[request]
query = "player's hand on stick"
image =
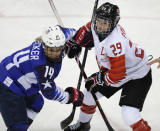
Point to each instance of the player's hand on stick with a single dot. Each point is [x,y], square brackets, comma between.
[95,81]
[83,36]
[72,49]
[155,61]
[75,96]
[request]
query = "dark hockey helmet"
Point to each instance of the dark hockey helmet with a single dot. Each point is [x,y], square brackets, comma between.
[53,43]
[106,18]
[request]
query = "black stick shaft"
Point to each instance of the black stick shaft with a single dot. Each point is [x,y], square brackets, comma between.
[96,100]
[69,119]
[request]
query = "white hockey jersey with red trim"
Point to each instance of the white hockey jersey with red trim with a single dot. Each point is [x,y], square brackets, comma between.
[124,59]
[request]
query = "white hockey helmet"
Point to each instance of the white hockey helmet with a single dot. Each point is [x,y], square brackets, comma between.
[53,43]
[53,36]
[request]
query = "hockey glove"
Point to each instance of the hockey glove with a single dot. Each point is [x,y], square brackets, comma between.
[75,96]
[84,37]
[95,81]
[72,49]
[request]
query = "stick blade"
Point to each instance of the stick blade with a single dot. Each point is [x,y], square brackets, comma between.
[68,120]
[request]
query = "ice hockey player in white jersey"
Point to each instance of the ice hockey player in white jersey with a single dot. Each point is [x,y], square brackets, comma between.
[123,66]
[27,72]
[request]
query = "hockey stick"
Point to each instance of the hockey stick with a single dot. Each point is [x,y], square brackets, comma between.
[96,100]
[69,119]
[55,12]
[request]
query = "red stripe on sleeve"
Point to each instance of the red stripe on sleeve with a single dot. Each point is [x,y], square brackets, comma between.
[117,71]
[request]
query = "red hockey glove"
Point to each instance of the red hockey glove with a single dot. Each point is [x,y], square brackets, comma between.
[75,96]
[95,81]
[84,37]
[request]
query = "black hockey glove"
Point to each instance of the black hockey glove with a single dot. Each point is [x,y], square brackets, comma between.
[75,96]
[72,49]
[95,81]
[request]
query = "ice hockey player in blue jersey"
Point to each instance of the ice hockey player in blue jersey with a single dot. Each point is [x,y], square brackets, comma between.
[30,72]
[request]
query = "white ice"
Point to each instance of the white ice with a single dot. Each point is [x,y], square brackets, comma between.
[21,21]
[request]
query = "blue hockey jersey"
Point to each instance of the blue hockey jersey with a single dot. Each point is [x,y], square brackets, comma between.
[27,71]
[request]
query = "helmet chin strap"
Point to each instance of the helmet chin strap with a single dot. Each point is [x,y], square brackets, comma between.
[55,60]
[101,37]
